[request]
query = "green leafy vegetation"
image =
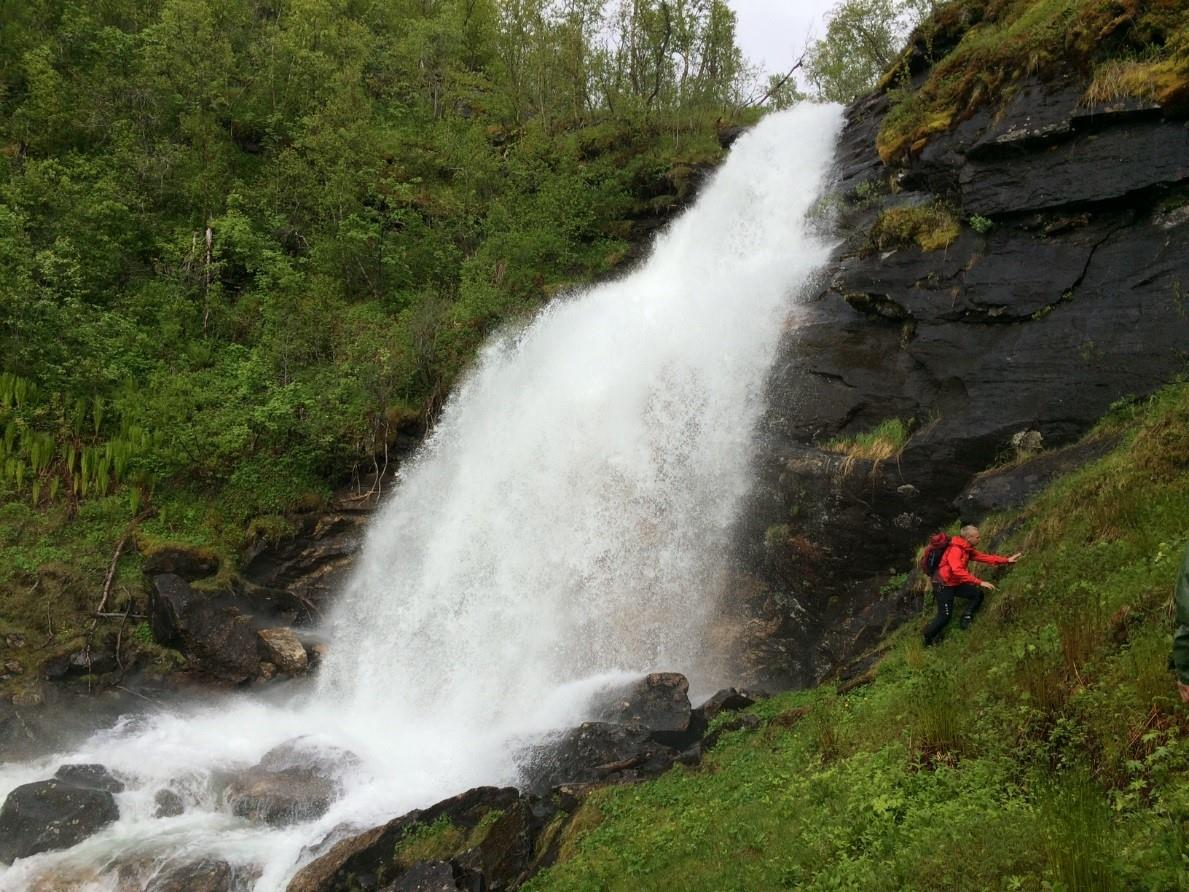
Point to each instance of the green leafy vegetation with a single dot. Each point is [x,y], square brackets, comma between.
[980,224]
[862,40]
[1042,749]
[244,245]
[981,50]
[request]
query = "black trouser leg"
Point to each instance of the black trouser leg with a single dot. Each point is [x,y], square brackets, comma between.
[973,594]
[945,608]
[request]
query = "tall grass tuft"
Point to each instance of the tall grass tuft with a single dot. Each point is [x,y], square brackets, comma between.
[885,441]
[938,718]
[1042,678]
[1075,822]
[1082,629]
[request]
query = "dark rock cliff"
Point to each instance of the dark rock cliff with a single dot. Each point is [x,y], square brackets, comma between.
[1064,288]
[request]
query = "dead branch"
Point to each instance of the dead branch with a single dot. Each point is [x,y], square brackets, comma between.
[111,572]
[800,63]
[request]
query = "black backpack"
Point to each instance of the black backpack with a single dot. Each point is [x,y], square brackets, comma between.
[934,552]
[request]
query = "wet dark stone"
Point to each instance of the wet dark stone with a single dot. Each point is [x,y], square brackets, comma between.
[367,859]
[1093,167]
[206,875]
[1003,488]
[93,777]
[217,636]
[52,814]
[659,702]
[293,782]
[169,804]
[727,700]
[436,876]
[595,752]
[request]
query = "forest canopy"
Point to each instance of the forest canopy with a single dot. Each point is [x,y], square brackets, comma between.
[243,243]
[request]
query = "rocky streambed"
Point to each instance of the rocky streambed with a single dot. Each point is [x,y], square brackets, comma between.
[487,838]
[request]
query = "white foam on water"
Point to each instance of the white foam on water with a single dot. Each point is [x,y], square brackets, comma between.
[564,529]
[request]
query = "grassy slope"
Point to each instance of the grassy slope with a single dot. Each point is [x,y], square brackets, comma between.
[1121,47]
[1042,749]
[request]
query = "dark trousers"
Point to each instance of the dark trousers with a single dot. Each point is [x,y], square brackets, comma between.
[944,595]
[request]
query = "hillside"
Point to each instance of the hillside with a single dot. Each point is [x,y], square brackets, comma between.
[1011,272]
[248,248]
[1044,748]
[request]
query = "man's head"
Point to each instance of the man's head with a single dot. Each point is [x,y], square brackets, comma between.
[969,533]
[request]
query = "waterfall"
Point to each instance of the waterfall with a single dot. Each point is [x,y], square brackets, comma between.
[565,526]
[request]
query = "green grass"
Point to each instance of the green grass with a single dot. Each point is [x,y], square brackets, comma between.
[1119,47]
[885,440]
[931,228]
[1043,749]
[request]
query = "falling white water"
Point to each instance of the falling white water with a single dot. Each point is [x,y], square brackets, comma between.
[565,527]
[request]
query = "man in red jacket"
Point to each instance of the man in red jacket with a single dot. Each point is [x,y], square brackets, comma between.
[952,578]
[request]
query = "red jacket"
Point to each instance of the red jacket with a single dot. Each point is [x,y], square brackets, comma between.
[957,555]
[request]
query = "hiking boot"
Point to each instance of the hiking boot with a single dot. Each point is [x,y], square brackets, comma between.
[965,622]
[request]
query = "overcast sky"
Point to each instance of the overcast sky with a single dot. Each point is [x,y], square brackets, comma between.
[773,32]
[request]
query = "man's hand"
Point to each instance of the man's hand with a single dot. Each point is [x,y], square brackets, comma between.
[988,586]
[1184,691]
[1015,557]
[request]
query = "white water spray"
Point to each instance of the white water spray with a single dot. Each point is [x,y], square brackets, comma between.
[566,526]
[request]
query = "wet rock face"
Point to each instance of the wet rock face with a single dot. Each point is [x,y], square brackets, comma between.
[1010,487]
[55,814]
[217,636]
[1066,295]
[369,859]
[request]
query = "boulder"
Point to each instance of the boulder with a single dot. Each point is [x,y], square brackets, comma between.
[282,648]
[211,631]
[727,700]
[436,876]
[595,752]
[504,852]
[52,814]
[205,875]
[91,777]
[97,660]
[168,804]
[1001,489]
[293,782]
[659,702]
[369,859]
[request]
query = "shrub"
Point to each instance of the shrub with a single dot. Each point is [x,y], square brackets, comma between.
[980,224]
